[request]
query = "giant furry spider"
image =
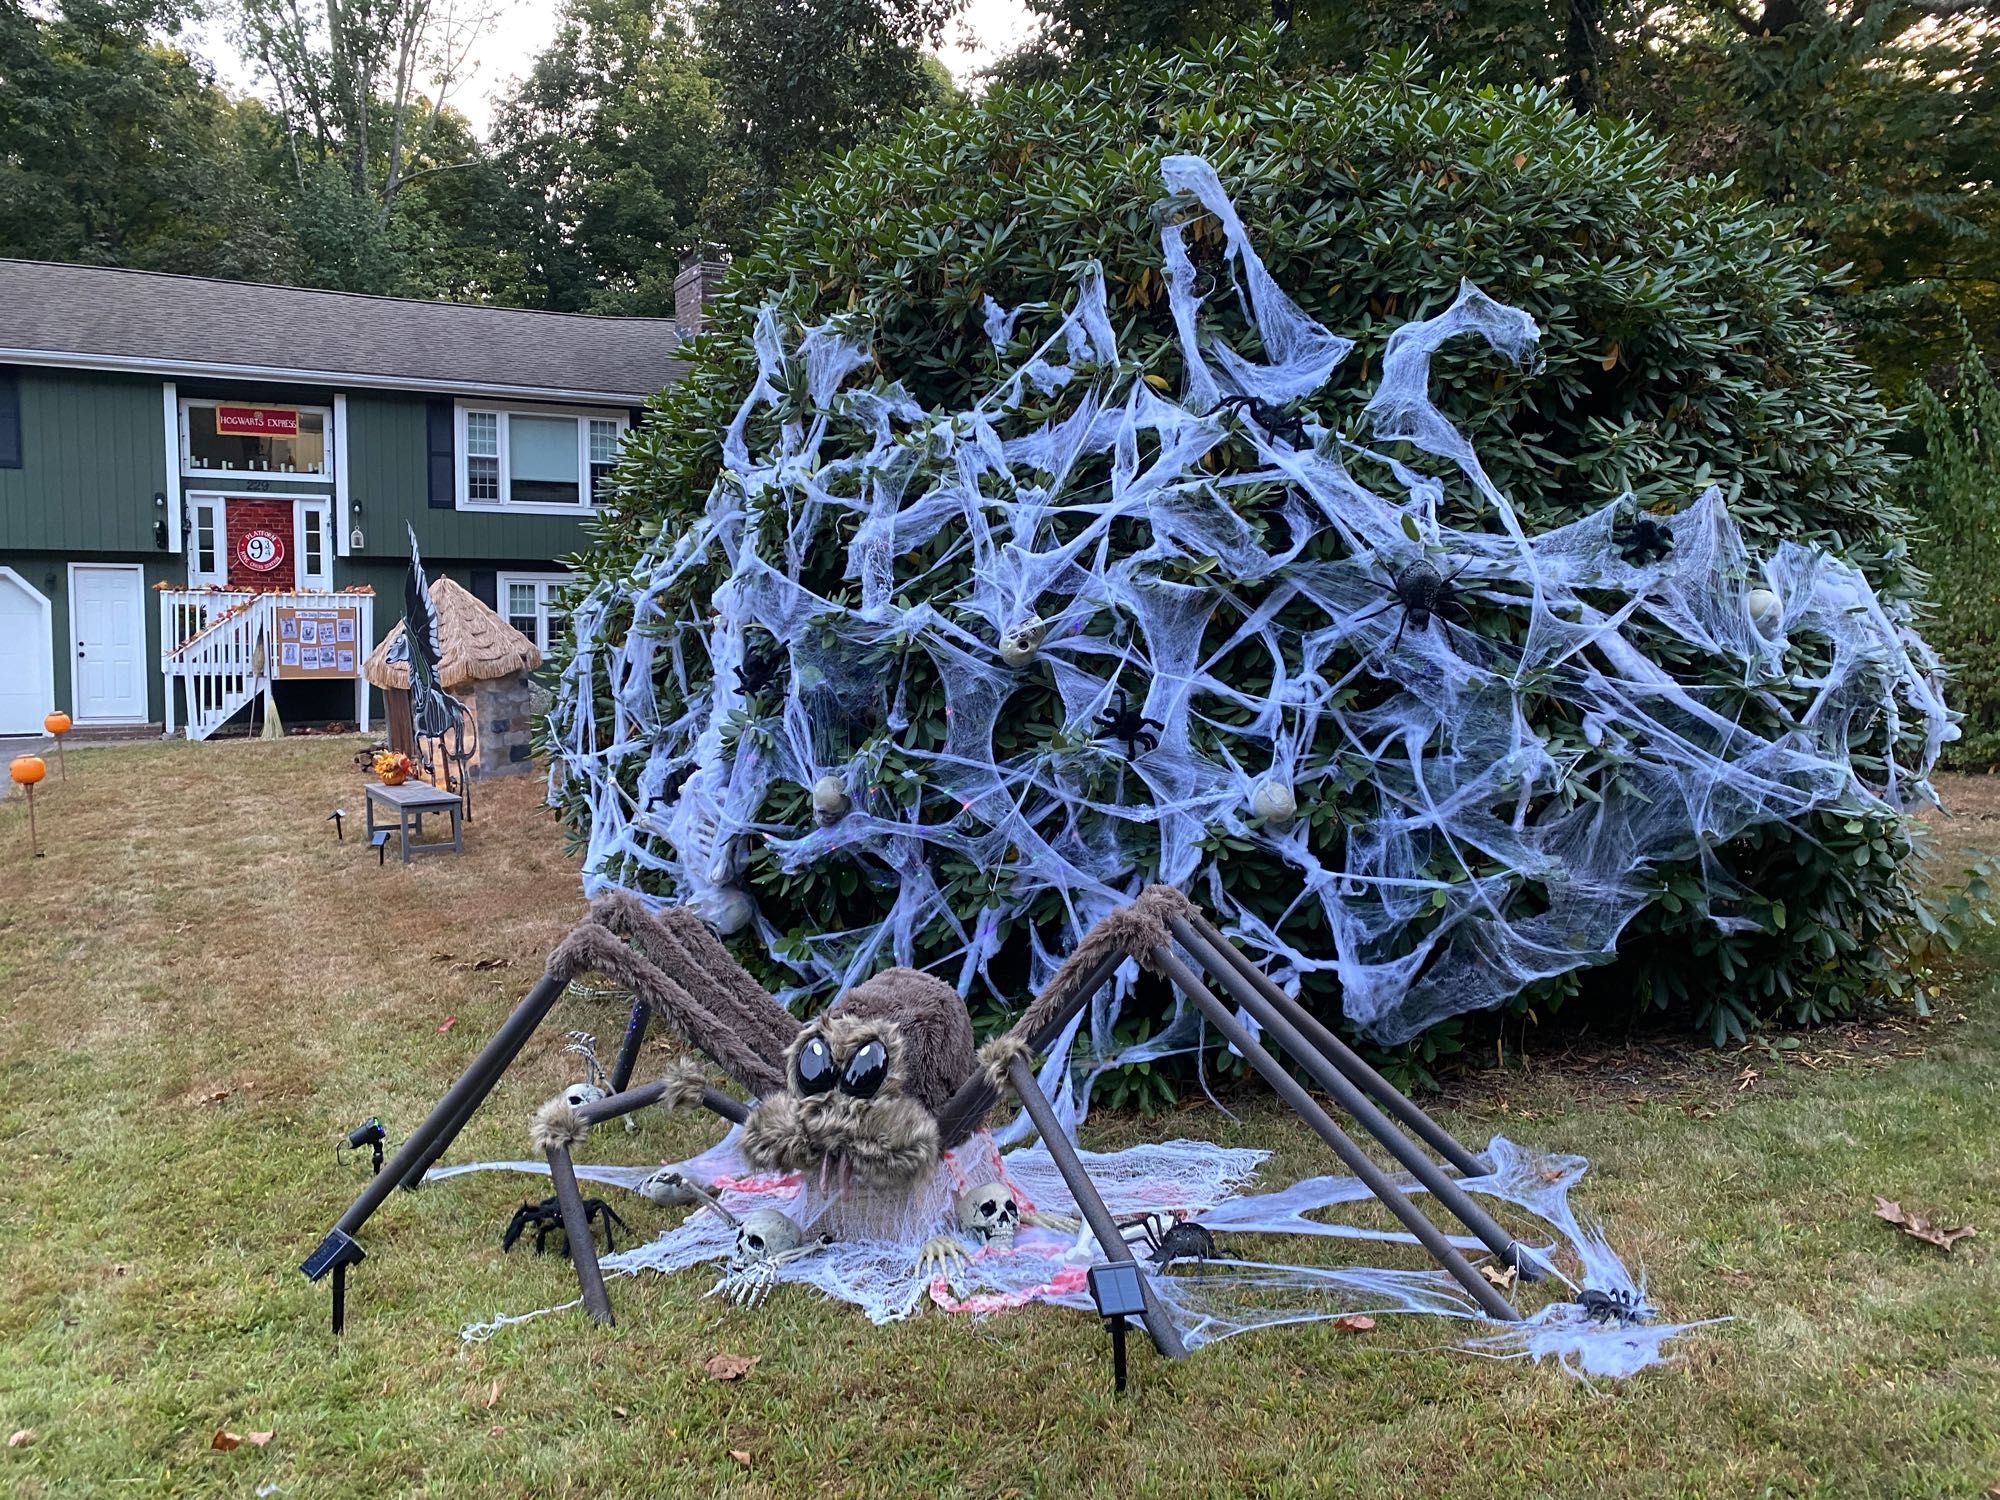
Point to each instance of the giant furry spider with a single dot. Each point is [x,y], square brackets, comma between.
[1421,592]
[1130,725]
[547,1215]
[1273,419]
[1647,540]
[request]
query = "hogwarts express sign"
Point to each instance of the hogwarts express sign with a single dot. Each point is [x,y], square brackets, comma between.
[257,421]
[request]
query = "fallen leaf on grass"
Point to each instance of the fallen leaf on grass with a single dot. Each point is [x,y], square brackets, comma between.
[492,1397]
[215,1098]
[222,1442]
[619,1411]
[480,965]
[741,1455]
[258,1439]
[1354,1323]
[496,1430]
[731,1366]
[447,1024]
[1917,1227]
[22,1438]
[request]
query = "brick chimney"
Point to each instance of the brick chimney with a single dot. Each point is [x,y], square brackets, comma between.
[694,288]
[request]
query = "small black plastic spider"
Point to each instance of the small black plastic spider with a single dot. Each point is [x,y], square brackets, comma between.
[1421,592]
[1130,725]
[547,1215]
[759,668]
[1646,540]
[1613,1307]
[1187,1240]
[1273,419]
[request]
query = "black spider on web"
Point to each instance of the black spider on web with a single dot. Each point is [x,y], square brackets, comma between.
[1646,540]
[1273,419]
[1422,593]
[1124,722]
[759,668]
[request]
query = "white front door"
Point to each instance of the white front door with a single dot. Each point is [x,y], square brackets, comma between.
[107,629]
[27,656]
[312,544]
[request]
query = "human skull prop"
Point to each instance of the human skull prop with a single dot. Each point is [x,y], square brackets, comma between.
[1019,645]
[830,800]
[762,1238]
[990,1215]
[579,1094]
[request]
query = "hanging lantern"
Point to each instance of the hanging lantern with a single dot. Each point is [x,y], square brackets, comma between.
[26,771]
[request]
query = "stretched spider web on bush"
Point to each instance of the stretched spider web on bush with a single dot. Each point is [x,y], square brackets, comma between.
[1461,811]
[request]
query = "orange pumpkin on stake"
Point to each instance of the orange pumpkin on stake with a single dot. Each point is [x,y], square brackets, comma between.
[58,724]
[26,771]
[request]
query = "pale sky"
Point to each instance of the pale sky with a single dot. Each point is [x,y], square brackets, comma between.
[983,31]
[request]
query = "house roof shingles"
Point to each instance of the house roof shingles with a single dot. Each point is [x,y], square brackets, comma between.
[103,317]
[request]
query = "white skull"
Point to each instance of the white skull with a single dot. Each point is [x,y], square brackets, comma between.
[579,1094]
[1019,645]
[989,1214]
[830,800]
[763,1236]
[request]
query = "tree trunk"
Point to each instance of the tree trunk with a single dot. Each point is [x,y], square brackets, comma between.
[1583,55]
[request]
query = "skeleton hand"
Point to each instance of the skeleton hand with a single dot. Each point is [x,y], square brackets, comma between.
[942,1255]
[748,1282]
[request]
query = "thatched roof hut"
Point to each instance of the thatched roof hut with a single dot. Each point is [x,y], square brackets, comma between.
[474,644]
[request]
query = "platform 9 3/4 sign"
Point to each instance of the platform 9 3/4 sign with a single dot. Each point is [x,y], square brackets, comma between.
[261,549]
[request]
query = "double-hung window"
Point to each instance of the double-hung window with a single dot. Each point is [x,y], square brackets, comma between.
[528,602]
[546,460]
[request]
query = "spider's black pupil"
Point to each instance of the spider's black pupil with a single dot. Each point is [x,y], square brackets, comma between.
[866,1071]
[815,1068]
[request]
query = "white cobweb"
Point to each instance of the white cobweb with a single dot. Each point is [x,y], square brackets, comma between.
[1478,848]
[1247,1287]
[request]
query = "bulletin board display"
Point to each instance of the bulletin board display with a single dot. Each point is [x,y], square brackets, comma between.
[318,643]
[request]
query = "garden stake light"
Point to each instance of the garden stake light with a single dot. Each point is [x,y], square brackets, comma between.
[26,771]
[58,724]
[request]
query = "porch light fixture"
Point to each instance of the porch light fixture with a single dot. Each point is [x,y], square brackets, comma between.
[160,520]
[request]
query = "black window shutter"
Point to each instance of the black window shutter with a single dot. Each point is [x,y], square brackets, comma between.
[443,469]
[10,419]
[486,587]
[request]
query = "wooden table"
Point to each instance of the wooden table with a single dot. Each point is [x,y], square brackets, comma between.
[412,800]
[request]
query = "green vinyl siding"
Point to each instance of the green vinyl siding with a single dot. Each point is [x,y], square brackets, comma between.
[387,473]
[48,573]
[93,455]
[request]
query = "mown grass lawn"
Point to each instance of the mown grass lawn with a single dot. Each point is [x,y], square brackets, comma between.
[200,991]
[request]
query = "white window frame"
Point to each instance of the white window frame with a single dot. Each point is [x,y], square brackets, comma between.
[545,584]
[324,479]
[584,415]
[312,513]
[197,502]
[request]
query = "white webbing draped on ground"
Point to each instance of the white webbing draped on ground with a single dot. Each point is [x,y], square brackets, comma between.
[1191,1179]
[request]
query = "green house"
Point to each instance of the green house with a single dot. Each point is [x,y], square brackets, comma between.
[180,457]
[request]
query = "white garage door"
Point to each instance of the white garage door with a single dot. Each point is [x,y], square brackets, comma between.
[27,656]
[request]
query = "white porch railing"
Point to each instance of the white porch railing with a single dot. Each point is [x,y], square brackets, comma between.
[218,644]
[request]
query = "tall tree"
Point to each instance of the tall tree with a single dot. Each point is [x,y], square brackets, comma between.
[117,147]
[613,149]
[800,79]
[365,83]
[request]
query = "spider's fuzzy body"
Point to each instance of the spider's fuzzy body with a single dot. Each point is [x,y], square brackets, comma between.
[864,1082]
[1421,592]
